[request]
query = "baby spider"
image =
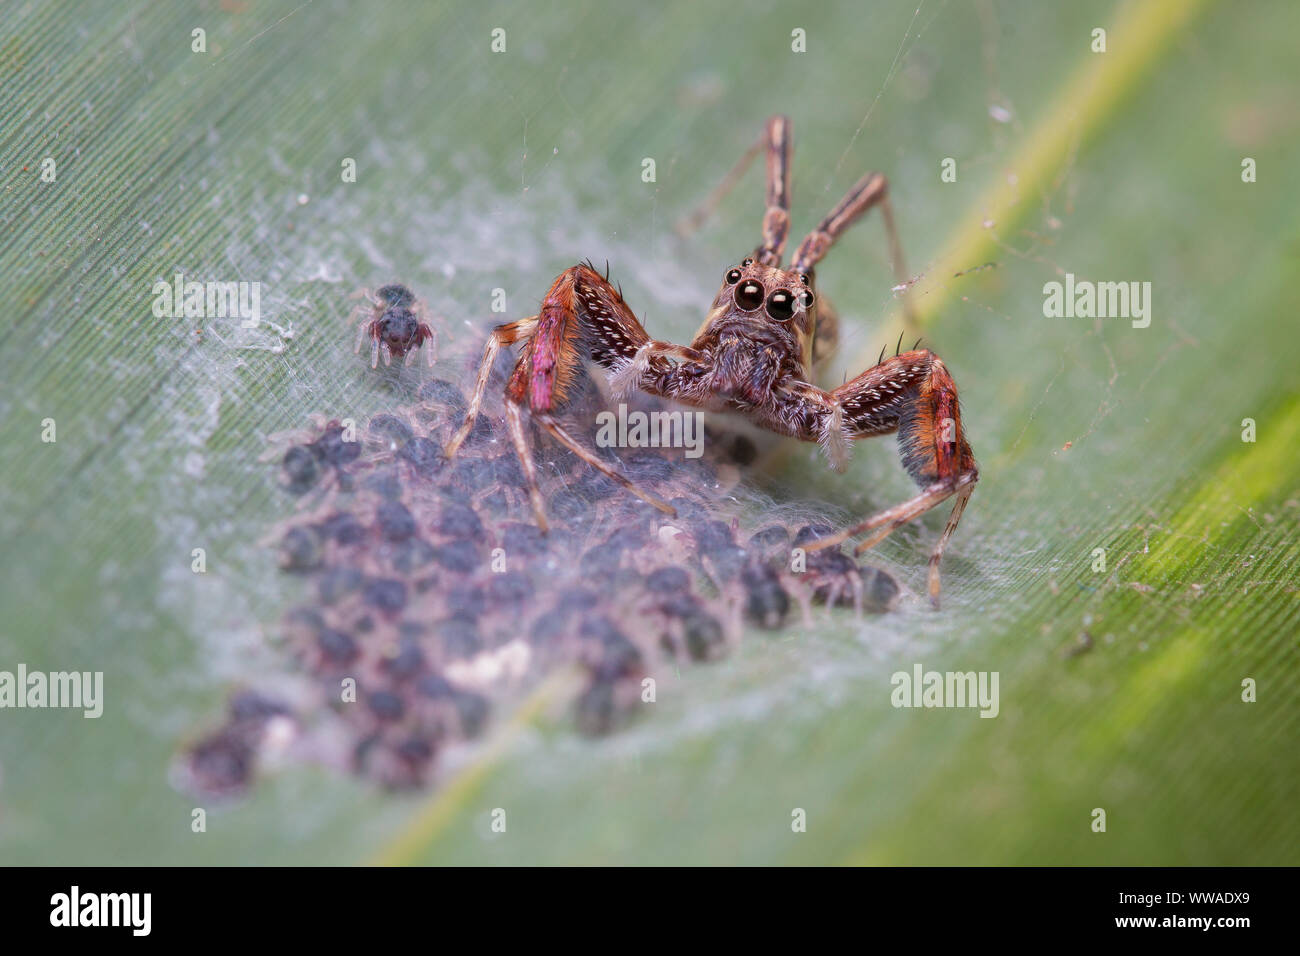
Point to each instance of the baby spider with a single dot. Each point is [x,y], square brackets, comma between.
[754,354]
[396,326]
[322,451]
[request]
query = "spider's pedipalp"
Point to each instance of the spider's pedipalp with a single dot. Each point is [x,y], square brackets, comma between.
[625,377]
[834,439]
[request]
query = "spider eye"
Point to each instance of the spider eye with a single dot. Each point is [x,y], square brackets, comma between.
[805,300]
[805,278]
[749,295]
[733,277]
[747,262]
[780,305]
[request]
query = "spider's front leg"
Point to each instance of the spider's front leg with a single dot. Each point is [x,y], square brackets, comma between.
[582,317]
[367,330]
[914,395]
[425,335]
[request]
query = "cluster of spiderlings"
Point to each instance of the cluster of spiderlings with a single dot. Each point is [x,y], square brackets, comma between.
[435,595]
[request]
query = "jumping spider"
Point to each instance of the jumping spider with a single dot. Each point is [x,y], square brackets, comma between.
[396,326]
[754,354]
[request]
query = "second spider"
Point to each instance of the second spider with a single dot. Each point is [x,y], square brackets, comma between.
[396,326]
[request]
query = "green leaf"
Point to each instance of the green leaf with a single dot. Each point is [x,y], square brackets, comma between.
[1119,689]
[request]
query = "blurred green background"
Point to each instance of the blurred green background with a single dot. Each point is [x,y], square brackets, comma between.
[478,171]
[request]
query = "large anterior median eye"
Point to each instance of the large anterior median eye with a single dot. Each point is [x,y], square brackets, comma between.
[780,305]
[749,295]
[733,276]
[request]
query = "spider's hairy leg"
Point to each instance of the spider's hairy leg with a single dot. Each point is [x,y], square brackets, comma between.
[557,431]
[582,309]
[506,334]
[914,395]
[869,191]
[515,425]
[776,218]
[692,221]
[582,317]
[776,141]
[426,333]
[366,310]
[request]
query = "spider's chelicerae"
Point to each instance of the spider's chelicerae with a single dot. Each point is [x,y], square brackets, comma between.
[766,331]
